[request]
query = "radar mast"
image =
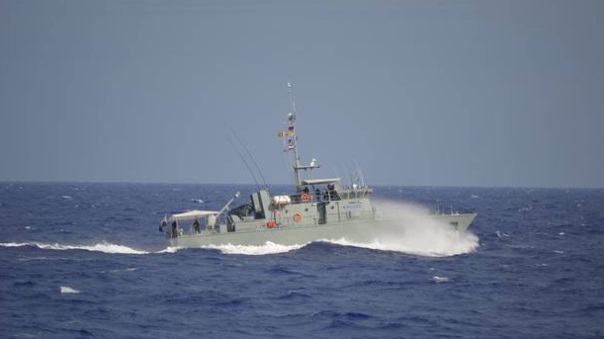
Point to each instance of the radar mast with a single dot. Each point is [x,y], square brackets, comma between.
[291,140]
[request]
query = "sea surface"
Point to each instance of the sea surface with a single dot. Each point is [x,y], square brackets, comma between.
[84,260]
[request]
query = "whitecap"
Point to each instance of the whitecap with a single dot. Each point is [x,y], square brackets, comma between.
[501,234]
[68,290]
[130,269]
[438,279]
[68,197]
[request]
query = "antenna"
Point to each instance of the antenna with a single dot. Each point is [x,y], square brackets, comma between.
[292,101]
[249,169]
[359,174]
[291,139]
[251,158]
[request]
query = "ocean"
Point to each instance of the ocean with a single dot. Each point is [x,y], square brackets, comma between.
[82,260]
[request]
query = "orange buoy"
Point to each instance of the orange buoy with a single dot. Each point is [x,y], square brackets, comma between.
[271,224]
[305,197]
[297,217]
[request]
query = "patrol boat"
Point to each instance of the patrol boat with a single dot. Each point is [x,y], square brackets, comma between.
[318,209]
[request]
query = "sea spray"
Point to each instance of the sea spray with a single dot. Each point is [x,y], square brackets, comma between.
[408,228]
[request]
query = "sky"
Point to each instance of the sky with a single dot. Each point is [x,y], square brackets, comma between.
[414,93]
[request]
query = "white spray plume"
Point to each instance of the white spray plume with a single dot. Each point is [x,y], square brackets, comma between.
[409,228]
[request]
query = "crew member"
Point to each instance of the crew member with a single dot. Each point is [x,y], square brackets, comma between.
[174,229]
[196,226]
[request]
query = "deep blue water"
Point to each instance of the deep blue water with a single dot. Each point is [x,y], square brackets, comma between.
[86,260]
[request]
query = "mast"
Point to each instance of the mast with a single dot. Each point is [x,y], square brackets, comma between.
[291,140]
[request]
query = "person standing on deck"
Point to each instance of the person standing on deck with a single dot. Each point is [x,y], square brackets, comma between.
[196,226]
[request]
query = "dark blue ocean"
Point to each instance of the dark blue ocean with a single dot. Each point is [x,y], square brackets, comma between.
[86,260]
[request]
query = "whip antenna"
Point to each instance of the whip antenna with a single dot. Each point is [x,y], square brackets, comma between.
[244,161]
[251,158]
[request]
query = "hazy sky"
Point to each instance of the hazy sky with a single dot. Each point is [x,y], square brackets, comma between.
[455,93]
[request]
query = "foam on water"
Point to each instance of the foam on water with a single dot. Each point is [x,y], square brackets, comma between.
[104,247]
[130,269]
[169,249]
[68,290]
[267,248]
[438,279]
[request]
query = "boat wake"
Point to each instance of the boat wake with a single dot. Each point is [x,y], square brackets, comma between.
[104,247]
[400,227]
[425,243]
[267,248]
[421,244]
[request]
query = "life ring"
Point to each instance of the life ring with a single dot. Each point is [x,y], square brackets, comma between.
[297,217]
[271,224]
[305,197]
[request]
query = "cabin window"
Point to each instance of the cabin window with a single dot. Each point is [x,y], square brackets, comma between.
[454,223]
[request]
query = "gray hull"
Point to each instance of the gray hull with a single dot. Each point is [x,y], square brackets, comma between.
[362,231]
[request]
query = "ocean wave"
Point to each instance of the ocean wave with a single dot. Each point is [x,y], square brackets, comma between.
[429,246]
[104,247]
